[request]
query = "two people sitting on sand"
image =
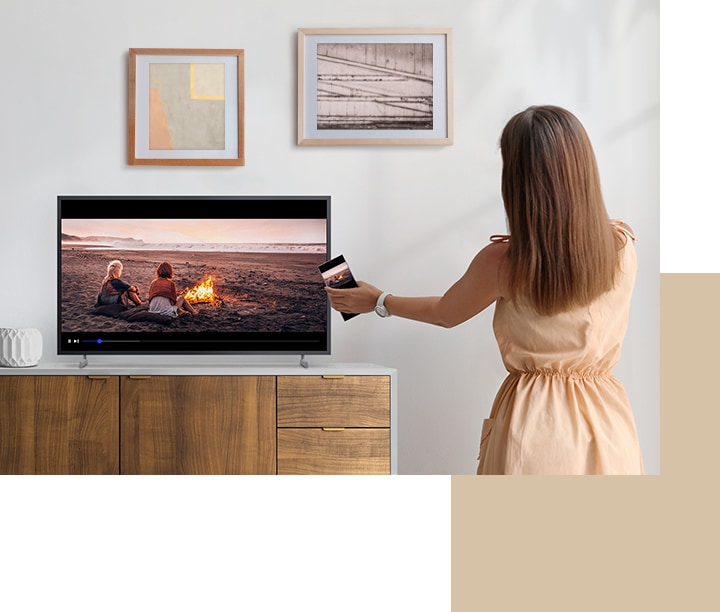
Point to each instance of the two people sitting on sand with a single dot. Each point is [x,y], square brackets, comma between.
[163,297]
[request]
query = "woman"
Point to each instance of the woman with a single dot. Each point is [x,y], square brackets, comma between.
[116,291]
[561,283]
[163,295]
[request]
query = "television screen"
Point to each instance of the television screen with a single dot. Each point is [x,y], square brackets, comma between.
[192,274]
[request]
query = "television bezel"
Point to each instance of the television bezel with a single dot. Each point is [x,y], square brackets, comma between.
[298,347]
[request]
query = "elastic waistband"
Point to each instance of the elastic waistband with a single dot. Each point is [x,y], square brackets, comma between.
[579,374]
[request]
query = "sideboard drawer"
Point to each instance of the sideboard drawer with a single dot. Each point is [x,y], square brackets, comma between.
[333,401]
[333,451]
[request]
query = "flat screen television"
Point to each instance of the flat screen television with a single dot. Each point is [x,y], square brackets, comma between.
[246,265]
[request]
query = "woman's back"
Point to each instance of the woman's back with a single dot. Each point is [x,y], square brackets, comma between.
[586,338]
[560,410]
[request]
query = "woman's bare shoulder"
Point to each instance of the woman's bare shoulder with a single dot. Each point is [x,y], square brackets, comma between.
[491,254]
[492,260]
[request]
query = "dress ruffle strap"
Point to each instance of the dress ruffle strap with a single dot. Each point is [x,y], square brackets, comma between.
[620,224]
[500,238]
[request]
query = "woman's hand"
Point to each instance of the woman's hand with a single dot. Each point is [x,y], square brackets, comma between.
[474,291]
[359,299]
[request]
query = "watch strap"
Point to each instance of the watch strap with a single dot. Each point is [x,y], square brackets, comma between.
[380,307]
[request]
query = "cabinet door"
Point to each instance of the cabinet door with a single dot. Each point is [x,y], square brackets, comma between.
[333,451]
[333,401]
[333,424]
[198,425]
[59,425]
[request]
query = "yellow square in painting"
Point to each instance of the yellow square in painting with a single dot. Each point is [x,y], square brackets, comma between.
[207,81]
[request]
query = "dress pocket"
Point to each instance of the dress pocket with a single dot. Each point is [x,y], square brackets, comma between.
[487,427]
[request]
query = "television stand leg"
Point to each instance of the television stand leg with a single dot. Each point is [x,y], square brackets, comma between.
[83,362]
[303,362]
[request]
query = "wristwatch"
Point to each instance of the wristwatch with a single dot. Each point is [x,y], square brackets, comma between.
[380,308]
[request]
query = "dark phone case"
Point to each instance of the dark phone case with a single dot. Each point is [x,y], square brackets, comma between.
[343,284]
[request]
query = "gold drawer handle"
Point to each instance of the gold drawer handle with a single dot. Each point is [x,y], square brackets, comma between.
[138,377]
[333,376]
[98,377]
[333,429]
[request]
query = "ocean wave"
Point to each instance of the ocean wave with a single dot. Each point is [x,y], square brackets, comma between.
[123,245]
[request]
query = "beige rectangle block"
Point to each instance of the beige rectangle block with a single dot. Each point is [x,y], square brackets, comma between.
[610,543]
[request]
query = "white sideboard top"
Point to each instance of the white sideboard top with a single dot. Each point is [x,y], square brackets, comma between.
[206,368]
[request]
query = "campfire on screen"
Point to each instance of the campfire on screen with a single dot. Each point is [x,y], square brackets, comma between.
[204,293]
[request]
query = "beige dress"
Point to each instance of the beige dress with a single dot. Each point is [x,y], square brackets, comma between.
[560,410]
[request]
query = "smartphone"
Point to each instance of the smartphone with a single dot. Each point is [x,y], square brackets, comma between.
[336,274]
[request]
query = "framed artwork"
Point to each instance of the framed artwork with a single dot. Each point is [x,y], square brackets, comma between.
[375,86]
[186,107]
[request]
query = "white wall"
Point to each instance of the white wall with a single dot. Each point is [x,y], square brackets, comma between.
[408,219]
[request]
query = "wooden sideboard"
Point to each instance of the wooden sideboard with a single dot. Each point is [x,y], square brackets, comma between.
[198,420]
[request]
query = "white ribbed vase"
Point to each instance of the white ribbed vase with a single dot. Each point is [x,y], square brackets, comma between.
[20,347]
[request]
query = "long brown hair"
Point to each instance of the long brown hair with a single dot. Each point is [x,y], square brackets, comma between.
[563,252]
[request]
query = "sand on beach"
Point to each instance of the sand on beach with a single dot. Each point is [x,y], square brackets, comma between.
[260,292]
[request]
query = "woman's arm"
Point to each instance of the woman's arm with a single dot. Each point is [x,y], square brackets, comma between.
[480,286]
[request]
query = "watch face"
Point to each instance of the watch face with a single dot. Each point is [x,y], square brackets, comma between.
[381,310]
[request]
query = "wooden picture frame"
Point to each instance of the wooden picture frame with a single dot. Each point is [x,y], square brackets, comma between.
[186,107]
[375,86]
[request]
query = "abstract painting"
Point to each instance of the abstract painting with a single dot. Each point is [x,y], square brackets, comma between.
[186,107]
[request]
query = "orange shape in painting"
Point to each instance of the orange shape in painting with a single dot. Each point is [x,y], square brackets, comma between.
[158,129]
